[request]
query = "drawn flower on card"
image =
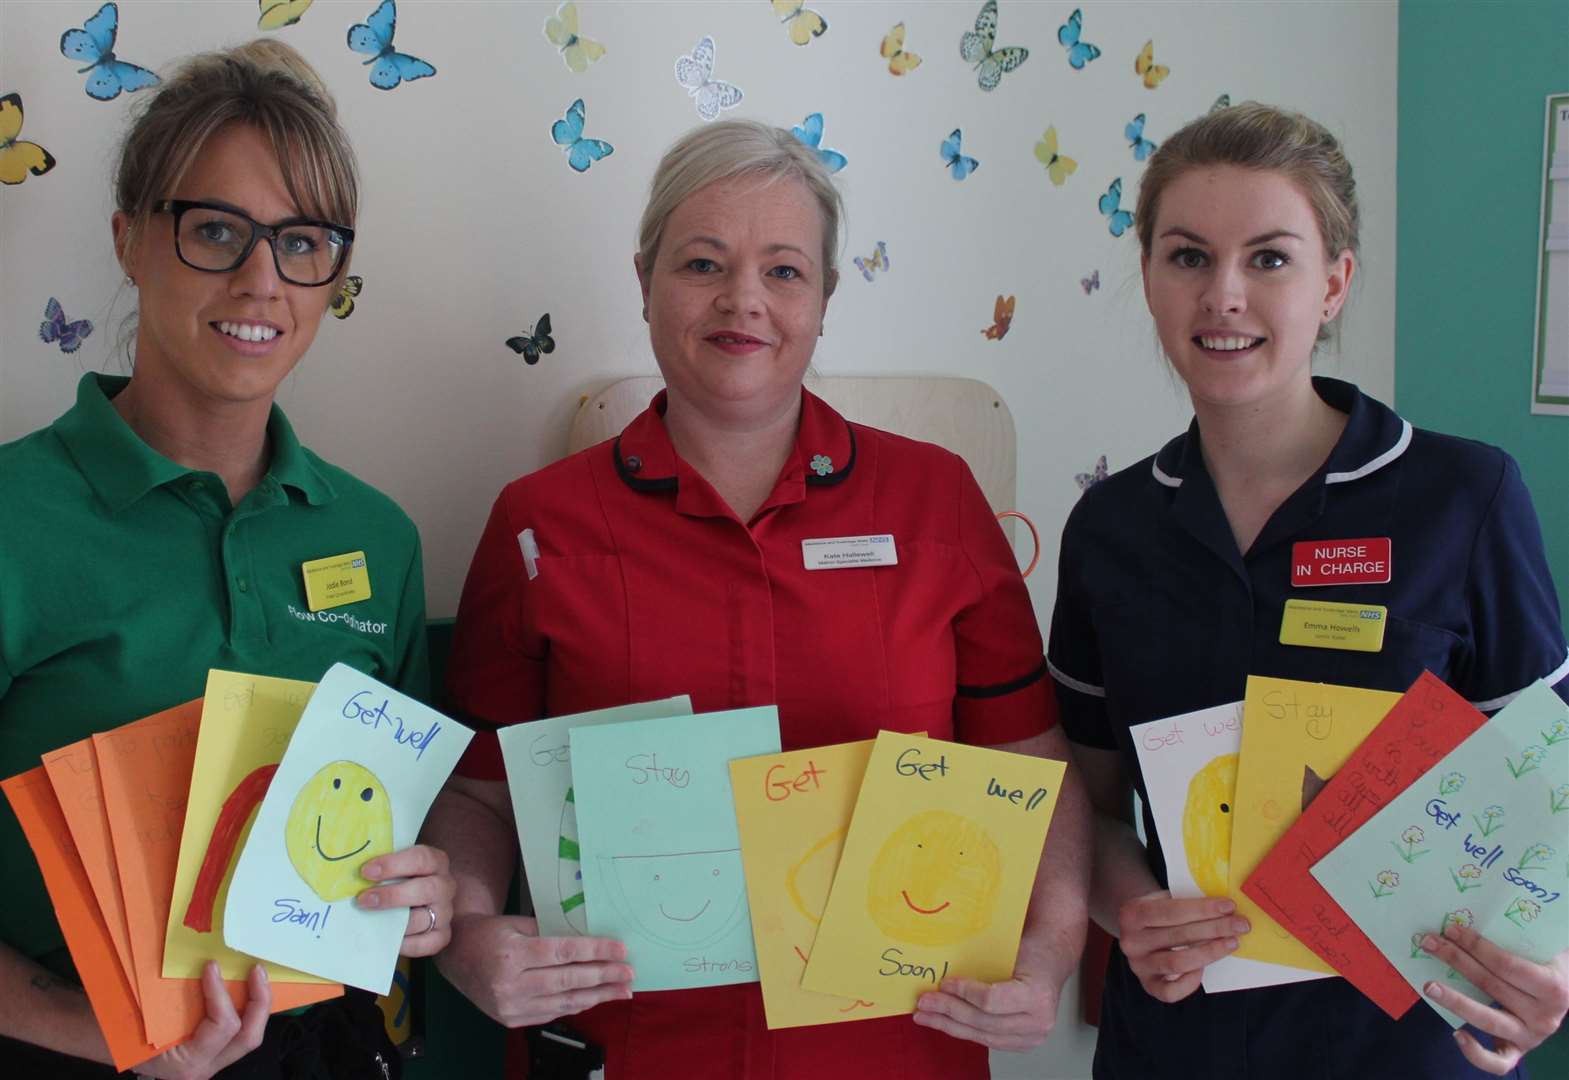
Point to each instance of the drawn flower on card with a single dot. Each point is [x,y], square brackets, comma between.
[1558,733]
[1530,758]
[1558,798]
[1451,783]
[1384,884]
[1467,877]
[1522,911]
[1413,836]
[1488,822]
[1535,855]
[1417,952]
[1459,917]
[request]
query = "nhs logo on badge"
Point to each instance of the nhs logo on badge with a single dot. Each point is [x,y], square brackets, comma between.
[1374,614]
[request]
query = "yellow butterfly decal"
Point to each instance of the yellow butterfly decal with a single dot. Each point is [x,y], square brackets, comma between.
[1059,168]
[276,14]
[342,305]
[899,61]
[1154,74]
[576,51]
[18,159]
[805,24]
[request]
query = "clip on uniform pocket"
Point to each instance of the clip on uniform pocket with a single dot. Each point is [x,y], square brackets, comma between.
[556,1051]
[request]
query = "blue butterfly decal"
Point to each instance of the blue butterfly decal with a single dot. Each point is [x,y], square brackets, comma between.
[1142,147]
[1118,219]
[810,132]
[959,165]
[94,43]
[373,37]
[55,327]
[568,134]
[1079,52]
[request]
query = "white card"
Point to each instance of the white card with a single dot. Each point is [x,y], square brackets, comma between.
[834,552]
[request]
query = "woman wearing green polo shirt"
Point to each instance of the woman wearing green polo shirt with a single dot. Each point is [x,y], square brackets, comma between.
[156,530]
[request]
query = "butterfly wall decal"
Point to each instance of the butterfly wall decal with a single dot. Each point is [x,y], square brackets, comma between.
[568,134]
[342,305]
[276,14]
[57,328]
[1079,52]
[1002,318]
[577,52]
[1091,283]
[1087,480]
[899,61]
[975,46]
[958,164]
[1144,64]
[804,23]
[533,344]
[810,132]
[19,158]
[1142,147]
[695,74]
[1118,220]
[877,260]
[106,75]
[1222,102]
[373,38]
[1059,168]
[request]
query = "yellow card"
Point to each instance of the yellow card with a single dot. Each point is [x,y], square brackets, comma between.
[247,721]
[336,580]
[1295,736]
[937,870]
[794,810]
[1323,625]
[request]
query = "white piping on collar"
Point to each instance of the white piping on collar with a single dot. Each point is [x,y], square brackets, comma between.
[1074,684]
[1551,679]
[1161,476]
[1377,463]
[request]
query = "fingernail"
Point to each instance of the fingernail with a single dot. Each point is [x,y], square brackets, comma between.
[1431,990]
[1240,926]
[368,900]
[1429,943]
[1231,944]
[372,870]
[1227,907]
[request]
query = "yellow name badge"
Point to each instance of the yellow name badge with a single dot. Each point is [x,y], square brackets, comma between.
[336,580]
[1322,625]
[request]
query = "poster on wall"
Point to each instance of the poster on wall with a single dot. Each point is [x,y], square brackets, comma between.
[1550,370]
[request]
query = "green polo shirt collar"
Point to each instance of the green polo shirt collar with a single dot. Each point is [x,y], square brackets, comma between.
[122,468]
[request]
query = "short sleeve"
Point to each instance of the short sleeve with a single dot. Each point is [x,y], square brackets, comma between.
[412,675]
[1003,695]
[1517,634]
[1073,654]
[495,675]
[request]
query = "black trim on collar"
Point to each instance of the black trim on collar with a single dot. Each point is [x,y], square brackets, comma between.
[1003,689]
[838,474]
[666,483]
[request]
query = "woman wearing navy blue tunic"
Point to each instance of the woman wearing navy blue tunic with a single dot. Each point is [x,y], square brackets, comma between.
[1173,582]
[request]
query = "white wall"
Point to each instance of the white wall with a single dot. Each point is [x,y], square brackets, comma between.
[473,225]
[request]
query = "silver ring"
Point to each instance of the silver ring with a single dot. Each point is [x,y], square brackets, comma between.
[432,913]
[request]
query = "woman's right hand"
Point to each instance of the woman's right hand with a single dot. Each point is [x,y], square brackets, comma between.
[223,1037]
[519,979]
[1169,942]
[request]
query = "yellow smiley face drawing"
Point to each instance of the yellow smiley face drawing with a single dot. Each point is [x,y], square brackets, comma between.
[1206,824]
[935,881]
[340,820]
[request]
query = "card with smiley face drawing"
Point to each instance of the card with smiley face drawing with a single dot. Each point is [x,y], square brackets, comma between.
[937,870]
[357,778]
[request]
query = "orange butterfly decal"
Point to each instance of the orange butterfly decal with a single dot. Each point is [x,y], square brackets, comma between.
[1002,319]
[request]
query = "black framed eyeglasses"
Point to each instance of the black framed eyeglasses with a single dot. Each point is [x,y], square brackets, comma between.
[217,239]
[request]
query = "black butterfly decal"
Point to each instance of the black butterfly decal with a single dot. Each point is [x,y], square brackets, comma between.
[535,343]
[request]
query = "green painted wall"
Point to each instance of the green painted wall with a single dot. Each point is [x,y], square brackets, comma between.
[1473,79]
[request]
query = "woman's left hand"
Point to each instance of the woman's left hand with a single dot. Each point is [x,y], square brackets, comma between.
[1015,1015]
[1531,998]
[426,889]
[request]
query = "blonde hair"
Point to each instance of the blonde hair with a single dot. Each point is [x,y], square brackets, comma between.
[264,84]
[731,148]
[1262,137]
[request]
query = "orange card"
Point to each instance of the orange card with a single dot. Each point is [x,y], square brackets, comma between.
[145,770]
[86,933]
[73,772]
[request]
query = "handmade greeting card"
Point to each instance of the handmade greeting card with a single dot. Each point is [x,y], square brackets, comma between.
[1477,840]
[1189,764]
[937,870]
[661,854]
[1295,737]
[356,781]
[538,756]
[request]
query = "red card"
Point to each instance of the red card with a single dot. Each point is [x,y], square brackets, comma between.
[1426,724]
[1341,562]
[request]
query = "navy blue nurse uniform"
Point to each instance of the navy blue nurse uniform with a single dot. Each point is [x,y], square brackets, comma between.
[1159,614]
